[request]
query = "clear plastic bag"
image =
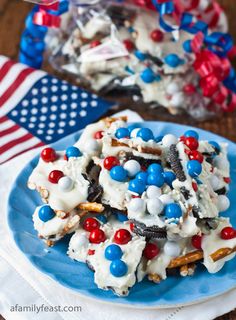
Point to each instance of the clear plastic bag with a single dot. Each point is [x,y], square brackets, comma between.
[120,45]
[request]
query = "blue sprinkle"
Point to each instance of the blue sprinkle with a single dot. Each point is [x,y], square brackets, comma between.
[140,55]
[191,133]
[215,145]
[118,268]
[173,60]
[113,252]
[159,138]
[148,76]
[121,216]
[102,218]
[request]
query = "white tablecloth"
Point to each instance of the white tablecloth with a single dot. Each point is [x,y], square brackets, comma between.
[24,285]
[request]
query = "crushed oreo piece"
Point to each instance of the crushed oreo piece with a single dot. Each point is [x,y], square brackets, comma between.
[94,193]
[212,223]
[185,193]
[93,171]
[149,232]
[175,163]
[195,211]
[221,191]
[143,162]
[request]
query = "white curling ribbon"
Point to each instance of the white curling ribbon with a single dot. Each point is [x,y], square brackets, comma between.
[110,49]
[43,2]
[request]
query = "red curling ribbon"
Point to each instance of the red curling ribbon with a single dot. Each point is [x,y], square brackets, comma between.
[43,18]
[53,6]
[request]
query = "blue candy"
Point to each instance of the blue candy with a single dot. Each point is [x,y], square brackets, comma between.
[155,180]
[148,76]
[137,186]
[191,133]
[142,176]
[145,134]
[159,138]
[194,168]
[172,210]
[118,173]
[101,218]
[172,60]
[215,145]
[140,55]
[118,268]
[121,216]
[187,46]
[122,133]
[73,152]
[169,177]
[113,252]
[155,168]
[46,213]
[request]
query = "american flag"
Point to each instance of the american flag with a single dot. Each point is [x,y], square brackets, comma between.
[38,109]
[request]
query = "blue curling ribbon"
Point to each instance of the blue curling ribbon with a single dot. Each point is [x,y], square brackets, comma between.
[31,45]
[35,62]
[35,30]
[222,41]
[63,8]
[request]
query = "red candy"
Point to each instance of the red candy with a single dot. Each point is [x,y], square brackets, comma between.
[48,155]
[195,187]
[197,242]
[182,138]
[157,35]
[91,224]
[110,162]
[98,135]
[189,88]
[151,251]
[95,43]
[227,180]
[228,233]
[196,155]
[55,175]
[129,45]
[122,236]
[192,143]
[97,236]
[65,157]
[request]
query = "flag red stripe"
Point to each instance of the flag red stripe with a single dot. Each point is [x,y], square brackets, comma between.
[20,78]
[40,144]
[5,68]
[9,130]
[3,119]
[14,142]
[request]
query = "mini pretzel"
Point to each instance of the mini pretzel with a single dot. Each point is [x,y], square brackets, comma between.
[187,270]
[141,149]
[154,277]
[91,206]
[222,253]
[108,121]
[186,259]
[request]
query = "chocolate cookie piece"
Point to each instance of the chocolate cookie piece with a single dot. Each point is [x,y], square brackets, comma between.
[142,161]
[176,166]
[154,232]
[221,191]
[186,193]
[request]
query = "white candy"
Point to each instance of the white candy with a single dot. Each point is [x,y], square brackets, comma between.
[80,241]
[155,206]
[168,140]
[177,100]
[137,205]
[65,184]
[172,88]
[92,146]
[134,132]
[133,167]
[153,192]
[223,203]
[166,199]
[171,249]
[214,182]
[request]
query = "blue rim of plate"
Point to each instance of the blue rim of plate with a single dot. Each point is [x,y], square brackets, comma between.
[174,291]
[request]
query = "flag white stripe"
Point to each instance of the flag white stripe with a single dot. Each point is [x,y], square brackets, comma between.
[11,76]
[6,125]
[19,148]
[21,91]
[12,136]
[3,60]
